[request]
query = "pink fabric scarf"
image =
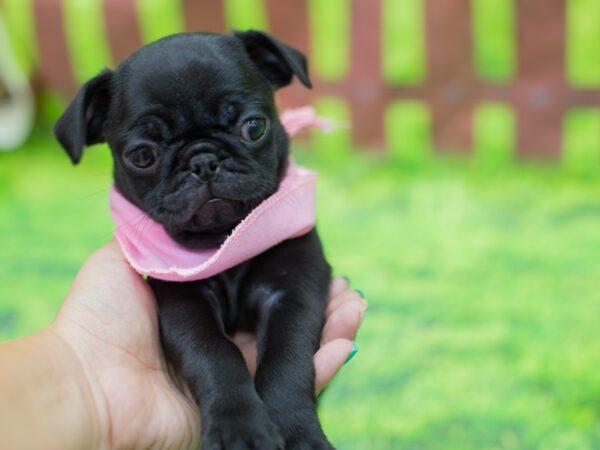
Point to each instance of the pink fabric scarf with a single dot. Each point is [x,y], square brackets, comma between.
[288,213]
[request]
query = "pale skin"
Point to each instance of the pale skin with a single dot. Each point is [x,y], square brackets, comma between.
[97,379]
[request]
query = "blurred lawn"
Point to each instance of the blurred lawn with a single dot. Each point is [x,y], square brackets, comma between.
[482,331]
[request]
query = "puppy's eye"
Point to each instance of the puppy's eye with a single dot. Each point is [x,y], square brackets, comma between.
[253,129]
[141,158]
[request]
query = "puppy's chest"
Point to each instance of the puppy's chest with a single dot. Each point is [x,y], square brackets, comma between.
[238,299]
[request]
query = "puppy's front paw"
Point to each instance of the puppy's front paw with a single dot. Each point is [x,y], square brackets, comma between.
[302,430]
[304,441]
[240,429]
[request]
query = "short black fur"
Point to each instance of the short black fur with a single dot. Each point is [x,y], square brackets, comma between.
[172,114]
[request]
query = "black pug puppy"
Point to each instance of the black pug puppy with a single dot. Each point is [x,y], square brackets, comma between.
[192,118]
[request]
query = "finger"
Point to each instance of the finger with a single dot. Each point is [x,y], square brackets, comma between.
[344,321]
[329,359]
[342,298]
[246,342]
[337,286]
[243,338]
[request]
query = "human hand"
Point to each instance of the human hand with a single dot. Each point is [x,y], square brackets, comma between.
[109,324]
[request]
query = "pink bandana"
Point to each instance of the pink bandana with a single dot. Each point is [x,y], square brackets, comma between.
[288,213]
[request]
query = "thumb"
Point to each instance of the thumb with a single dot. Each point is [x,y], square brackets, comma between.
[107,277]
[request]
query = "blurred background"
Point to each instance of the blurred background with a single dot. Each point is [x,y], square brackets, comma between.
[463,197]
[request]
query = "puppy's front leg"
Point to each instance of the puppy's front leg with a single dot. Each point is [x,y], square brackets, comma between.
[290,321]
[232,414]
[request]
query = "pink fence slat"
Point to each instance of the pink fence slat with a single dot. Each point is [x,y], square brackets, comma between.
[539,94]
[450,79]
[583,98]
[289,22]
[365,88]
[540,86]
[204,15]
[55,66]
[122,28]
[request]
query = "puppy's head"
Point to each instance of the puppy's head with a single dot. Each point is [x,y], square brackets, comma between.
[192,125]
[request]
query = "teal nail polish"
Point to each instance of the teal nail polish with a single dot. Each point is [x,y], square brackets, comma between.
[353,352]
[361,293]
[347,278]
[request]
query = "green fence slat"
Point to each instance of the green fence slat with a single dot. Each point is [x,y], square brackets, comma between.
[86,37]
[246,14]
[494,134]
[581,143]
[408,131]
[159,18]
[494,43]
[403,58]
[336,144]
[20,26]
[330,36]
[52,105]
[583,43]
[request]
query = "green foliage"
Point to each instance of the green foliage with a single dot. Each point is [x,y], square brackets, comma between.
[87,39]
[582,141]
[407,129]
[246,14]
[403,41]
[159,18]
[494,139]
[583,43]
[17,17]
[330,32]
[494,39]
[334,145]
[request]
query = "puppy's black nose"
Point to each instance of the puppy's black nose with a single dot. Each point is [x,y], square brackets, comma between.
[204,165]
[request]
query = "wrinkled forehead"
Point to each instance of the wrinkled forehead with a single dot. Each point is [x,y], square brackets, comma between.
[174,73]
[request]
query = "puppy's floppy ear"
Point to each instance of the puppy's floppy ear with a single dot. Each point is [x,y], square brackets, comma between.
[82,122]
[277,61]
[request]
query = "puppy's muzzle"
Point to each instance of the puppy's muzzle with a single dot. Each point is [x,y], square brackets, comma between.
[204,163]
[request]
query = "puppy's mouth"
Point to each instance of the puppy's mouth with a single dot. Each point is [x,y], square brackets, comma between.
[204,215]
[210,224]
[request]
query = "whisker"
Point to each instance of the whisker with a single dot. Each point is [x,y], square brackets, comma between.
[95,174]
[138,218]
[92,194]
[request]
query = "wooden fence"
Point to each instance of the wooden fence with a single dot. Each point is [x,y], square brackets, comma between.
[538,91]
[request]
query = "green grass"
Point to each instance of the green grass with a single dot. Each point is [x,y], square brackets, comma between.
[482,331]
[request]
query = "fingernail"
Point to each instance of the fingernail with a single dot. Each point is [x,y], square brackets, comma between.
[353,352]
[347,278]
[363,310]
[361,293]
